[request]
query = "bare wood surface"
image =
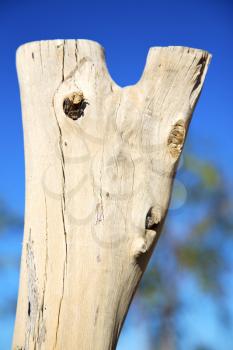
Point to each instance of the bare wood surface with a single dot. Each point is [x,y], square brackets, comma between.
[100,162]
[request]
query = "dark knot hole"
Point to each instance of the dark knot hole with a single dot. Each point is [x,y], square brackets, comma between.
[152,223]
[74,106]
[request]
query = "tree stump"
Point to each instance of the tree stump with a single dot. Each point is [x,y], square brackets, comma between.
[100,162]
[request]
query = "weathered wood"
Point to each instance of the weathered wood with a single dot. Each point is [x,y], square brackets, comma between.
[100,161]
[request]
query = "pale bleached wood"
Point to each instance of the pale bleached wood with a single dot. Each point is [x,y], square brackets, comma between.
[97,188]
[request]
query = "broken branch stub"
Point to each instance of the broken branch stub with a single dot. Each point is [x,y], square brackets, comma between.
[100,162]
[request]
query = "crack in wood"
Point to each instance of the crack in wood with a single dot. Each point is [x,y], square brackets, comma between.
[93,269]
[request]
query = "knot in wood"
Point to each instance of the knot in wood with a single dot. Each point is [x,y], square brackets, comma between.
[176,138]
[74,105]
[153,219]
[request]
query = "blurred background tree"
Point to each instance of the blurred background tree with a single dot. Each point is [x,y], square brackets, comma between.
[194,252]
[8,219]
[195,249]
[185,297]
[11,228]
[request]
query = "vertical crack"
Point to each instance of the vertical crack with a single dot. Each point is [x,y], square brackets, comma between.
[63,199]
[63,208]
[76,51]
[41,328]
[41,323]
[33,293]
[200,68]
[60,304]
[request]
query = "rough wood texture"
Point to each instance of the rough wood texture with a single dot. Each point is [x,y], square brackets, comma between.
[100,161]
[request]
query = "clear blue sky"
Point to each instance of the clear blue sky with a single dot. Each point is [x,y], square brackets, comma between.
[126,29]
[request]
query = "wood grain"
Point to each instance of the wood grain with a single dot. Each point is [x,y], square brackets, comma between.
[100,162]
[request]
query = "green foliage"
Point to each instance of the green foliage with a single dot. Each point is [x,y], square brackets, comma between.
[202,347]
[196,249]
[206,172]
[8,219]
[8,262]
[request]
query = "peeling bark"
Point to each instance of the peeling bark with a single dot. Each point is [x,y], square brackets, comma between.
[100,163]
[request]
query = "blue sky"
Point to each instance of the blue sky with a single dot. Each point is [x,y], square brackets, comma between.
[126,29]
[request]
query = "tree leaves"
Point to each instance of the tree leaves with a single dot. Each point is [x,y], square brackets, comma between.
[199,248]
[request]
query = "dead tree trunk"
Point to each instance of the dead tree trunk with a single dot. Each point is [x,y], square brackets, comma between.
[100,161]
